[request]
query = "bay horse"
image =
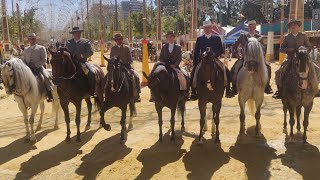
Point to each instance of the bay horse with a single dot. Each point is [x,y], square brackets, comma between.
[300,85]
[73,86]
[29,91]
[165,87]
[251,82]
[118,92]
[210,84]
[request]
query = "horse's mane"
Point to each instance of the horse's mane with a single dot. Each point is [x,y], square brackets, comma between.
[24,78]
[254,52]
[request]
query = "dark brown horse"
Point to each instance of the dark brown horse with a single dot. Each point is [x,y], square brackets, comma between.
[300,86]
[165,88]
[73,86]
[118,91]
[210,85]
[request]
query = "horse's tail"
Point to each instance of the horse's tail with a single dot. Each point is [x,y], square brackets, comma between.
[252,107]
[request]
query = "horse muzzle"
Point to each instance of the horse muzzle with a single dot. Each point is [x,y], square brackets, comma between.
[251,66]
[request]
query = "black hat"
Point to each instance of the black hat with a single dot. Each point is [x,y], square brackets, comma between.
[294,21]
[75,29]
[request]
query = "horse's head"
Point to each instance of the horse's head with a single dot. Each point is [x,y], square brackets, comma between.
[62,64]
[301,61]
[209,64]
[8,77]
[252,54]
[114,72]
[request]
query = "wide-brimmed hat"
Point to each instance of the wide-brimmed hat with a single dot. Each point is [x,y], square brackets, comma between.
[170,33]
[251,22]
[206,24]
[294,21]
[31,35]
[118,36]
[75,29]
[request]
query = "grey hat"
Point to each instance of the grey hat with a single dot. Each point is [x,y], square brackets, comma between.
[31,35]
[75,29]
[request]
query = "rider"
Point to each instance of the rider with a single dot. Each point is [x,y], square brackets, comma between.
[204,41]
[35,56]
[81,50]
[122,52]
[170,55]
[291,43]
[238,64]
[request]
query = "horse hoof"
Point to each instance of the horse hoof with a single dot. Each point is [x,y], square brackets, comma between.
[38,128]
[160,140]
[87,127]
[130,126]
[78,140]
[217,141]
[172,140]
[26,140]
[205,128]
[107,127]
[68,139]
[200,142]
[56,127]
[122,141]
[183,129]
[285,131]
[291,140]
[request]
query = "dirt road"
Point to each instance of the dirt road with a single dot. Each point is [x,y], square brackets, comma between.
[101,156]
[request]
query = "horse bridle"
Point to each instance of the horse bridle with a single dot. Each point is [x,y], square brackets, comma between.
[62,77]
[112,79]
[13,86]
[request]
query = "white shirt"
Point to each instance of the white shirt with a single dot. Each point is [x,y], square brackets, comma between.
[295,35]
[171,46]
[208,35]
[251,35]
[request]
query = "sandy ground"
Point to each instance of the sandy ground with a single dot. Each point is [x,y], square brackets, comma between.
[101,156]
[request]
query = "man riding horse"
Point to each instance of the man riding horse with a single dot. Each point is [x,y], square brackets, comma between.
[81,49]
[290,45]
[202,43]
[122,52]
[239,63]
[171,56]
[35,56]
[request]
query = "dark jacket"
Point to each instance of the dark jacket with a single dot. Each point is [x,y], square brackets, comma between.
[171,58]
[202,43]
[82,47]
[123,52]
[290,41]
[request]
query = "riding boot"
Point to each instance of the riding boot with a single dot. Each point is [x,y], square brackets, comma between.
[151,97]
[194,94]
[228,91]
[49,96]
[268,89]
[278,94]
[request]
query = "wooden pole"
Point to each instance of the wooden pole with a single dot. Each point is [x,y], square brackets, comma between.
[159,42]
[20,35]
[5,31]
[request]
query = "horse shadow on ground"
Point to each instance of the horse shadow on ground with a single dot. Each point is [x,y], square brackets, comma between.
[159,155]
[104,154]
[18,147]
[255,153]
[53,157]
[202,161]
[302,158]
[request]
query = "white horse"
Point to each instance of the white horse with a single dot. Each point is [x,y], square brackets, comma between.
[251,82]
[29,91]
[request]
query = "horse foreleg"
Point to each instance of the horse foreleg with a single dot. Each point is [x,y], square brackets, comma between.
[285,110]
[105,106]
[202,108]
[182,109]
[78,120]
[42,106]
[298,113]
[24,111]
[291,121]
[172,122]
[89,106]
[307,111]
[216,115]
[242,120]
[31,122]
[159,112]
[123,135]
[133,113]
[257,116]
[65,108]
